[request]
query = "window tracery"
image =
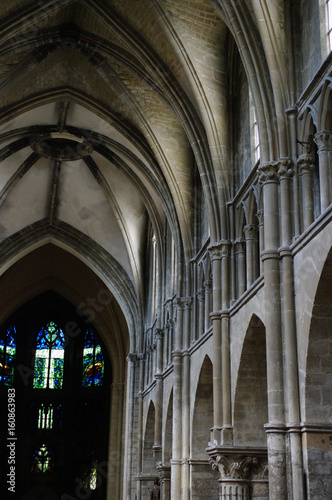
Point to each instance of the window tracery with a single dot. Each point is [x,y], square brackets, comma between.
[49,358]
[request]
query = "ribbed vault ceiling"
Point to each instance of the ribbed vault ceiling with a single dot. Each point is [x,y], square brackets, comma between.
[106,112]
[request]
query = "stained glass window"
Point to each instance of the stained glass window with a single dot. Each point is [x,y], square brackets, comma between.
[42,460]
[93,361]
[49,416]
[7,356]
[89,477]
[49,358]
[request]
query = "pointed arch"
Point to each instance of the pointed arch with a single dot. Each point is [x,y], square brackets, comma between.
[148,460]
[202,479]
[250,402]
[95,257]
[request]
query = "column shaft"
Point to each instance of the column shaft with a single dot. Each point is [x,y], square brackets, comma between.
[159,392]
[292,402]
[177,406]
[216,322]
[306,163]
[274,354]
[186,401]
[324,142]
[201,312]
[225,351]
[207,322]
[240,267]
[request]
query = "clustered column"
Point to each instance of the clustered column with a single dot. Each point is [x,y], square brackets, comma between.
[292,404]
[275,429]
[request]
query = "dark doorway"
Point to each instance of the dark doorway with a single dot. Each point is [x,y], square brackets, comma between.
[55,377]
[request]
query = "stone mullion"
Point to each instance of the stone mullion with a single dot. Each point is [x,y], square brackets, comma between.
[240,266]
[274,353]
[324,142]
[306,164]
[176,461]
[292,399]
[215,251]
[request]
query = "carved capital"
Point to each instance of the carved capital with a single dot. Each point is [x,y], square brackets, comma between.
[306,163]
[215,250]
[201,294]
[208,286]
[323,140]
[187,302]
[240,246]
[260,217]
[132,357]
[285,168]
[183,303]
[268,172]
[225,248]
[169,324]
[250,231]
[159,333]
[232,467]
[164,472]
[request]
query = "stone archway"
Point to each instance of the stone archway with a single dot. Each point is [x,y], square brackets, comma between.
[202,479]
[148,459]
[317,430]
[165,467]
[250,405]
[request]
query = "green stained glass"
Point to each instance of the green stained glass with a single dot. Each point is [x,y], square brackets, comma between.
[49,358]
[93,361]
[89,477]
[7,357]
[42,461]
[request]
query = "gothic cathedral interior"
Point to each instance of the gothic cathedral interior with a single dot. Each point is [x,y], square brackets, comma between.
[166,249]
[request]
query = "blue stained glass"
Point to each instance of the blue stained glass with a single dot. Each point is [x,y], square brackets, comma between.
[49,358]
[11,337]
[90,339]
[41,340]
[7,356]
[93,361]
